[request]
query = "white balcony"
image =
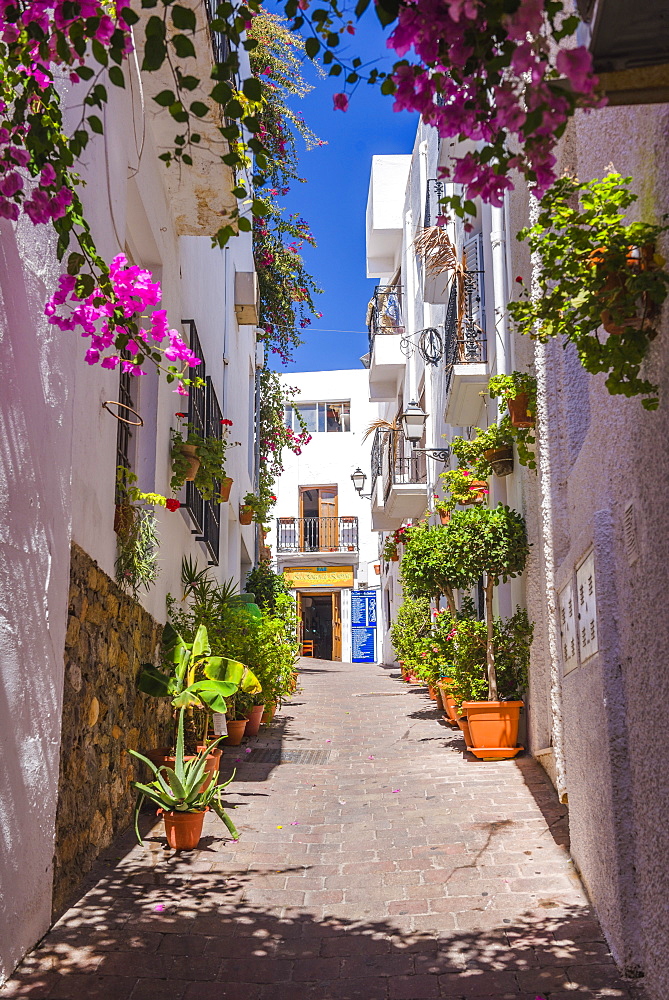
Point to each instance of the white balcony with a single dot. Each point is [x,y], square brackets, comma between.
[468,381]
[199,195]
[399,480]
[385,209]
[386,366]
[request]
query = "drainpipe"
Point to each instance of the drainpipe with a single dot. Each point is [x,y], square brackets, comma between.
[545,441]
[501,290]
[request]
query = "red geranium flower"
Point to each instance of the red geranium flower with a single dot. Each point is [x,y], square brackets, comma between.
[172,504]
[180,414]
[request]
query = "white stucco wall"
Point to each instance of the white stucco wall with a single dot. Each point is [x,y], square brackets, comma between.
[57,473]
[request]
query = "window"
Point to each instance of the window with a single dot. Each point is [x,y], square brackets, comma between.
[320,418]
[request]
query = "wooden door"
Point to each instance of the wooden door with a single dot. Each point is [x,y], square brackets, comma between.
[327,517]
[336,625]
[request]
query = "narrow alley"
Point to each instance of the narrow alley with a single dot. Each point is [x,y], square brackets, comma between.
[377,861]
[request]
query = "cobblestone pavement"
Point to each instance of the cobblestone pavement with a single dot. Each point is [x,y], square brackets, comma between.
[389,866]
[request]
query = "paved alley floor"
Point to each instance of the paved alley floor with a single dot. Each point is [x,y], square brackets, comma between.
[378,861]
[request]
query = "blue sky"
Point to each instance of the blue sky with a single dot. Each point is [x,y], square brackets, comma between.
[334,198]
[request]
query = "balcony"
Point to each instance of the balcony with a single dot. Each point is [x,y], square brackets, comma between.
[199,195]
[316,534]
[466,355]
[385,212]
[386,329]
[399,480]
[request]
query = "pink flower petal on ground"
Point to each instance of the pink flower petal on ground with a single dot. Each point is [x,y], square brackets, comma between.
[328,741]
[396,790]
[249,750]
[159,907]
[370,758]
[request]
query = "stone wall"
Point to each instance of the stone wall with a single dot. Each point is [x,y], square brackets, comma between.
[109,635]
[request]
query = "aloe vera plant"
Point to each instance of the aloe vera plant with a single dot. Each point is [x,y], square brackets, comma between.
[178,789]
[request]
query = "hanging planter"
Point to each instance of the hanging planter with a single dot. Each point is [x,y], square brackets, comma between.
[123,518]
[189,452]
[377,569]
[245,513]
[224,492]
[519,410]
[501,460]
[444,516]
[478,491]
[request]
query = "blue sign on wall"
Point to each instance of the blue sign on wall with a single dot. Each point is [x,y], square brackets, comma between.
[363,626]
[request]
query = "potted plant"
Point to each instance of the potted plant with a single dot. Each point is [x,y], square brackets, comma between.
[196,680]
[408,630]
[427,568]
[182,794]
[588,273]
[489,543]
[200,459]
[491,450]
[246,511]
[519,391]
[464,487]
[136,529]
[224,489]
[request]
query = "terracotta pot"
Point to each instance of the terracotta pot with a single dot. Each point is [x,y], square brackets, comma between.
[183,830]
[448,702]
[501,460]
[253,720]
[477,496]
[189,451]
[464,726]
[444,516]
[432,692]
[377,569]
[224,492]
[493,723]
[521,415]
[268,714]
[638,259]
[236,730]
[162,757]
[394,558]
[245,514]
[439,700]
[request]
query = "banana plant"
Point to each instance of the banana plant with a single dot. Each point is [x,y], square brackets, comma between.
[197,679]
[178,789]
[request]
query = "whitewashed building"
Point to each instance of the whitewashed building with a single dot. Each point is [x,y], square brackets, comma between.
[321,535]
[70,641]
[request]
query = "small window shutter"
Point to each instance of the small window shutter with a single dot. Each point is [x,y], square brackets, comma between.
[473,248]
[568,637]
[587,607]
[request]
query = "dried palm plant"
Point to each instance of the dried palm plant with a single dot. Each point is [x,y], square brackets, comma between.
[440,255]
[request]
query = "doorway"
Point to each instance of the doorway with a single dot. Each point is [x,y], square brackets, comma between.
[319,526]
[320,623]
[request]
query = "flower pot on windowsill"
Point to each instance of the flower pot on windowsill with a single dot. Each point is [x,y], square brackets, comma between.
[189,451]
[519,411]
[479,489]
[501,460]
[245,514]
[224,492]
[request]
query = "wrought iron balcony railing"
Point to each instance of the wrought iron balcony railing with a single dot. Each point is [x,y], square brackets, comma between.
[317,534]
[435,192]
[385,312]
[396,461]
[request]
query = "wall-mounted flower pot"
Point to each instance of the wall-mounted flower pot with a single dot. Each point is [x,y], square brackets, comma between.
[479,489]
[501,460]
[236,730]
[493,724]
[377,569]
[123,518]
[444,516]
[189,451]
[519,411]
[226,486]
[253,720]
[245,514]
[183,829]
[394,558]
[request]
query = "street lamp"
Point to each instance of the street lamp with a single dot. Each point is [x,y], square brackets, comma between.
[413,422]
[413,426]
[358,478]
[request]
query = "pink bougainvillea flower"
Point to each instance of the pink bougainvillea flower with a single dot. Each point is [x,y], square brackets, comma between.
[340,102]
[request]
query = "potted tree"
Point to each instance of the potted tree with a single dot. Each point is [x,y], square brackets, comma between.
[428,569]
[489,543]
[183,793]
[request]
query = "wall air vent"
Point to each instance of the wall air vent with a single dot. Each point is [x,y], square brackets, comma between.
[629,531]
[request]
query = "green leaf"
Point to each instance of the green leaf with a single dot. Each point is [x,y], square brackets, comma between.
[244,224]
[183,46]
[155,53]
[199,108]
[165,98]
[312,47]
[95,124]
[116,76]
[183,18]
[153,681]
[252,88]
[200,643]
